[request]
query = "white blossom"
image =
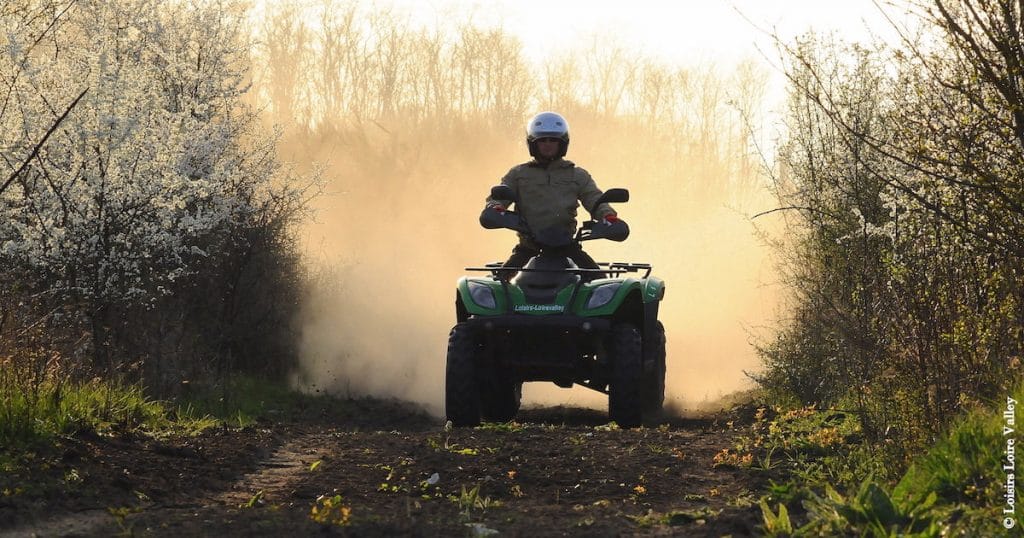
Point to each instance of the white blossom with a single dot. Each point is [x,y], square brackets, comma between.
[150,168]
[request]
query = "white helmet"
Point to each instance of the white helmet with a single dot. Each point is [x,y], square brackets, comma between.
[547,125]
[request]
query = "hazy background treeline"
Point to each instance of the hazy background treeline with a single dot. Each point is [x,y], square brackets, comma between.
[902,171]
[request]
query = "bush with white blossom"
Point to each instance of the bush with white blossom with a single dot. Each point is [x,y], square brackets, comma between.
[156,170]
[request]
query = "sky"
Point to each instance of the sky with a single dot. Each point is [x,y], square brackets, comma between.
[676,31]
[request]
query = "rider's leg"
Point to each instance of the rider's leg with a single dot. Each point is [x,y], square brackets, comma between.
[584,261]
[520,255]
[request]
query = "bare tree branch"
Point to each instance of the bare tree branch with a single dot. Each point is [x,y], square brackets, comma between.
[42,141]
[21,67]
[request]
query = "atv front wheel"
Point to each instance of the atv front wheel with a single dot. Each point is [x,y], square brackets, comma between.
[461,390]
[499,397]
[625,397]
[654,371]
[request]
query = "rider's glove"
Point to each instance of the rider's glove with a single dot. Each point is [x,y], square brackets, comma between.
[610,219]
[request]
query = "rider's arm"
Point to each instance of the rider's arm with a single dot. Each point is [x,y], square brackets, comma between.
[510,181]
[589,193]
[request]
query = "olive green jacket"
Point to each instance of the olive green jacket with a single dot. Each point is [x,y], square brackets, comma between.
[549,194]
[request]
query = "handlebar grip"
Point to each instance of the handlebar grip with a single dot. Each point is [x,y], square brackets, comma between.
[615,231]
[492,219]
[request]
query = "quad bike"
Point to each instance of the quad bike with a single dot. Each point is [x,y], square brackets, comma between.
[556,322]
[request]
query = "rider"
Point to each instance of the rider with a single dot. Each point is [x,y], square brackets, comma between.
[548,188]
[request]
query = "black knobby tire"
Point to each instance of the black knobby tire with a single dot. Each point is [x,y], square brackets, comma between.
[461,390]
[625,395]
[499,397]
[654,371]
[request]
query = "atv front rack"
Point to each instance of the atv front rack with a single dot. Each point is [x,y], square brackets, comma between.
[614,268]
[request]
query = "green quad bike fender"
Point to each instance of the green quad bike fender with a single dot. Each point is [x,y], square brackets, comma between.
[603,334]
[603,297]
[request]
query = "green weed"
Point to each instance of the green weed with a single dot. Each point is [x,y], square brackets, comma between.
[387,487]
[470,499]
[776,524]
[330,511]
[254,501]
[871,511]
[434,443]
[120,516]
[510,427]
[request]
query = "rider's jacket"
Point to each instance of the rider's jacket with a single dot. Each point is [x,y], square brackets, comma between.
[549,194]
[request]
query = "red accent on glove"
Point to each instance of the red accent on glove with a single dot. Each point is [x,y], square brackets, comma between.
[612,218]
[498,207]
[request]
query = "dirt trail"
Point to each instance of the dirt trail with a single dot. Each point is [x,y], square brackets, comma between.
[399,473]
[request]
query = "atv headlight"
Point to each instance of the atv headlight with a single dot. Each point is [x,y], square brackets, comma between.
[482,295]
[602,295]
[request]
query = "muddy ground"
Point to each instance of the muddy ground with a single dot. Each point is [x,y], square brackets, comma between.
[385,469]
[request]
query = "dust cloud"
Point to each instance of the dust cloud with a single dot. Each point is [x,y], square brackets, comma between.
[377,322]
[406,183]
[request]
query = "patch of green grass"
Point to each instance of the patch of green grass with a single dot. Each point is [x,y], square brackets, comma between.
[963,466]
[969,467]
[40,414]
[956,487]
[36,414]
[247,399]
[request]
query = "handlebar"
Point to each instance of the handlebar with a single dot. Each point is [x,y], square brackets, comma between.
[592,229]
[492,219]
